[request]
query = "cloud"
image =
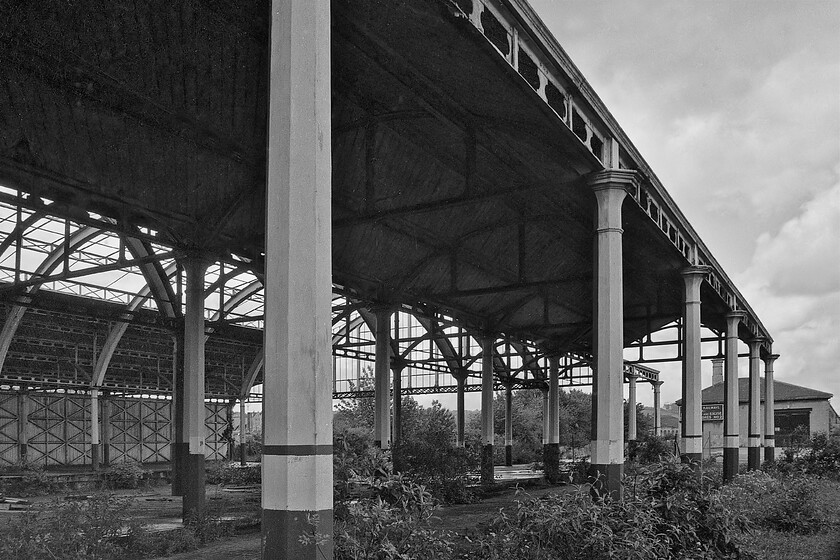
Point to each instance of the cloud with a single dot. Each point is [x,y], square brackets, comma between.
[793,283]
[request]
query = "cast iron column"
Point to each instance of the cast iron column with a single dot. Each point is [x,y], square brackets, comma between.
[631,418]
[487,475]
[94,429]
[657,412]
[754,407]
[297,481]
[243,460]
[382,380]
[194,409]
[769,410]
[608,381]
[692,380]
[508,426]
[461,378]
[551,449]
[731,418]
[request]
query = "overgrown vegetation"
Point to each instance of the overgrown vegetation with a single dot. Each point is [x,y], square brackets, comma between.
[123,476]
[100,528]
[232,474]
[25,480]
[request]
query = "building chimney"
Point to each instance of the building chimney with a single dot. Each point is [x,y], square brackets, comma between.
[717,371]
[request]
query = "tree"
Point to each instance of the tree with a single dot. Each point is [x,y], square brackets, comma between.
[575,418]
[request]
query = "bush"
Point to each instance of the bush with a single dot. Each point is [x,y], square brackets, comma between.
[231,474]
[652,449]
[441,469]
[97,528]
[33,481]
[123,476]
[393,524]
[783,504]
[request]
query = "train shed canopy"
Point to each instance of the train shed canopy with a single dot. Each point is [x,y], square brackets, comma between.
[463,140]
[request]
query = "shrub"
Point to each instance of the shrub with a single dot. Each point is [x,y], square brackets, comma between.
[33,481]
[783,504]
[443,470]
[97,528]
[393,524]
[125,476]
[231,474]
[652,449]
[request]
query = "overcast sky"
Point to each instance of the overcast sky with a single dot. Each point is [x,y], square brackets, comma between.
[736,107]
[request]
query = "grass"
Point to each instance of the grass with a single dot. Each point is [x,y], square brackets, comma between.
[825,545]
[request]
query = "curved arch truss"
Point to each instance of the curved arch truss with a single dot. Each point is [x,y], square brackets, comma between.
[91,304]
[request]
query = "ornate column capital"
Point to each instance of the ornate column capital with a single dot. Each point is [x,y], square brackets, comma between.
[627,179]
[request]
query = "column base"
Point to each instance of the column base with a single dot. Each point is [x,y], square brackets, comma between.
[178,456]
[551,462]
[730,463]
[94,456]
[22,449]
[605,481]
[753,458]
[297,534]
[193,486]
[242,459]
[508,455]
[487,474]
[769,454]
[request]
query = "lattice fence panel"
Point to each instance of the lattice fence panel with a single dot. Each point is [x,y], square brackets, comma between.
[58,425]
[156,431]
[8,428]
[126,436]
[216,446]
[77,431]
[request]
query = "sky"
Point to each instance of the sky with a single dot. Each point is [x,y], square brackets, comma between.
[735,105]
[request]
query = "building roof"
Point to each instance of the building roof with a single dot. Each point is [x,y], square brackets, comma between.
[784,392]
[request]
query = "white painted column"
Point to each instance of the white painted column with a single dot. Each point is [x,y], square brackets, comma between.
[607,459]
[657,409]
[551,416]
[487,473]
[461,378]
[382,380]
[731,418]
[243,460]
[297,484]
[769,410]
[545,416]
[631,409]
[554,400]
[508,426]
[194,409]
[692,378]
[754,407]
[94,429]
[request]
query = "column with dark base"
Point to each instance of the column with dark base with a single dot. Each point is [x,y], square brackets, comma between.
[551,448]
[731,418]
[607,444]
[192,484]
[508,426]
[692,381]
[769,410]
[487,474]
[297,392]
[754,407]
[382,379]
